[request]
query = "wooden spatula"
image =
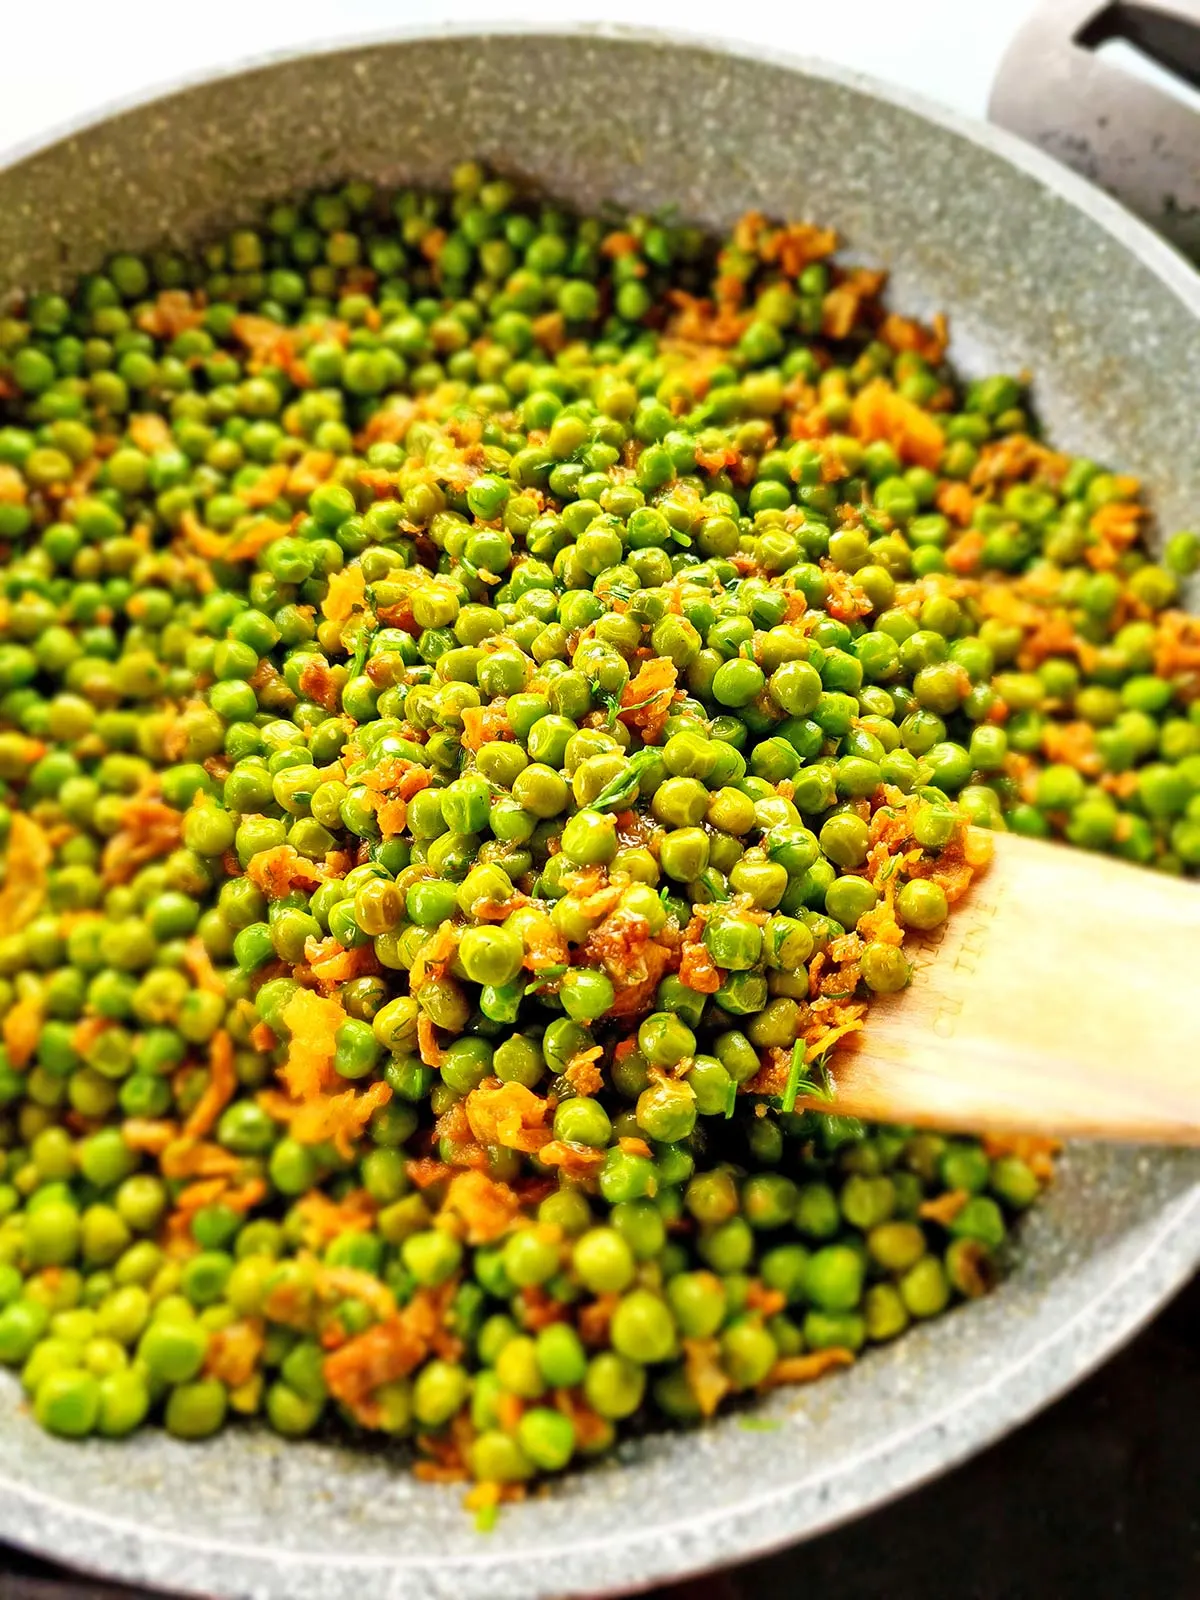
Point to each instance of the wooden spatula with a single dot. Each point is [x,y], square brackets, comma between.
[1060,998]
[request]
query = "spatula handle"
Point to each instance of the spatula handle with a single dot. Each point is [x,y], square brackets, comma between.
[1060,998]
[1058,88]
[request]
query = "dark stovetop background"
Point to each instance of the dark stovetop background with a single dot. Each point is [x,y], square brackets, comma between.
[1096,1499]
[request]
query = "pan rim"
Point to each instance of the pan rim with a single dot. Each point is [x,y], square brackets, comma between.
[1163,1264]
[1124,225]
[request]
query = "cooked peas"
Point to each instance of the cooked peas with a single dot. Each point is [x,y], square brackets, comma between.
[539,780]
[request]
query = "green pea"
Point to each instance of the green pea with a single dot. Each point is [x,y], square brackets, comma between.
[885,968]
[748,1352]
[561,1356]
[850,897]
[924,1288]
[922,904]
[733,943]
[173,1351]
[67,1402]
[844,839]
[431,1257]
[783,1268]
[124,1403]
[684,854]
[22,1323]
[582,1121]
[603,1261]
[970,1267]
[817,1211]
[642,1328]
[196,1410]
[1014,1181]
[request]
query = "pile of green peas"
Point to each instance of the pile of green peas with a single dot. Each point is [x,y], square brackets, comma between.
[495,495]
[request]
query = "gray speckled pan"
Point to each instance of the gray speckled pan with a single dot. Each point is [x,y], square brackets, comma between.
[1036,270]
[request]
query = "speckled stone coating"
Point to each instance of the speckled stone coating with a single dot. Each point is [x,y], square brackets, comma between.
[1035,270]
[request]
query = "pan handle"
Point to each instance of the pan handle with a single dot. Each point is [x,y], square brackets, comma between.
[1061,89]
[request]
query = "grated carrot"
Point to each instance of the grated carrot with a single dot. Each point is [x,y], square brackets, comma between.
[346,594]
[22,1029]
[487,1207]
[170,313]
[955,500]
[220,1090]
[577,1161]
[1035,1150]
[434,956]
[199,964]
[807,1368]
[594,1319]
[309,472]
[430,1050]
[508,1114]
[279,871]
[544,945]
[390,1350]
[312,1022]
[905,333]
[26,860]
[583,1073]
[484,725]
[325,1219]
[321,683]
[965,554]
[204,1192]
[944,1208]
[698,970]
[706,1377]
[233,1352]
[341,1283]
[647,698]
[148,1135]
[879,412]
[188,1158]
[333,965]
[86,1032]
[340,1118]
[149,829]
[244,544]
[842,304]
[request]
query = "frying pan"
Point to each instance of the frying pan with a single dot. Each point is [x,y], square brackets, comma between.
[1036,270]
